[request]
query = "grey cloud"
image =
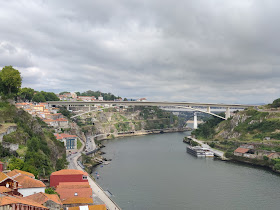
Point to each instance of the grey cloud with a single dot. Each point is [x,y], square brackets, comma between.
[208,51]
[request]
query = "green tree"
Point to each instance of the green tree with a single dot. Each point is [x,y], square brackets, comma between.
[26,93]
[10,80]
[39,97]
[16,163]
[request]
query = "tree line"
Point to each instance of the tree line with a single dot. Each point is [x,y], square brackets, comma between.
[10,87]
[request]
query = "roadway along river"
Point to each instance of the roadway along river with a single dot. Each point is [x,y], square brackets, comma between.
[155,172]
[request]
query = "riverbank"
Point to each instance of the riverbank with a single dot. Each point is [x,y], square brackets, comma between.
[265,163]
[155,172]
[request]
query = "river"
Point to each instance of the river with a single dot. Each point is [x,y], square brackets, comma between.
[155,172]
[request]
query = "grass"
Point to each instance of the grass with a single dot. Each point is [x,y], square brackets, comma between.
[22,150]
[79,144]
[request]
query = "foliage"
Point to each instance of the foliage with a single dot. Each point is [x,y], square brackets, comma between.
[207,129]
[50,190]
[275,103]
[4,152]
[96,94]
[10,81]
[45,96]
[26,93]
[79,144]
[16,163]
[63,110]
[62,93]
[194,143]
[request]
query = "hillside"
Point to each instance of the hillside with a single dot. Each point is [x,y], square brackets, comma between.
[118,121]
[37,150]
[257,131]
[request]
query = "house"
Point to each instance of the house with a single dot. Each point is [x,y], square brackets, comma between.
[70,141]
[51,201]
[243,152]
[142,99]
[89,207]
[68,190]
[1,166]
[67,175]
[17,203]
[86,98]
[51,122]
[10,183]
[76,201]
[62,122]
[39,108]
[28,186]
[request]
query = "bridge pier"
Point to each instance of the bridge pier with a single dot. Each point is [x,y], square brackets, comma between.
[208,109]
[227,113]
[68,107]
[194,120]
[89,108]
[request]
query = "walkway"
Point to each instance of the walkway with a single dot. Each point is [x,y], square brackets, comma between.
[98,191]
[218,153]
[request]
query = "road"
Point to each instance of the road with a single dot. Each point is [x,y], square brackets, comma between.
[99,195]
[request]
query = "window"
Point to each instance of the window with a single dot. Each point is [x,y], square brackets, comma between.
[75,194]
[84,177]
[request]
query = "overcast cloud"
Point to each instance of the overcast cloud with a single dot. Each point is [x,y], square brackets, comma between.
[189,50]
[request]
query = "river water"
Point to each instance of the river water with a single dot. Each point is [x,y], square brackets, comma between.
[155,172]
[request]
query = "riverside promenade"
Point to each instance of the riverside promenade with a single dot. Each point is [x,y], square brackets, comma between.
[218,153]
[98,191]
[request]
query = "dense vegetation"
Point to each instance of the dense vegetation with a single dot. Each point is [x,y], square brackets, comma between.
[36,142]
[96,94]
[207,129]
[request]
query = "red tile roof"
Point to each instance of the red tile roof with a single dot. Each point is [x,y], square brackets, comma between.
[4,189]
[241,150]
[6,200]
[69,172]
[3,177]
[27,182]
[78,200]
[61,120]
[64,135]
[18,172]
[66,193]
[43,198]
[71,185]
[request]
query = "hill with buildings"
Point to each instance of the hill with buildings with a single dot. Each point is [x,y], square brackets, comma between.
[27,143]
[252,135]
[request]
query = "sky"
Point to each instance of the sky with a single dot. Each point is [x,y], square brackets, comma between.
[212,51]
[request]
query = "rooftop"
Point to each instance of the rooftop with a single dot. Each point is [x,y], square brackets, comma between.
[18,172]
[28,182]
[241,150]
[6,200]
[73,185]
[66,193]
[76,200]
[64,135]
[43,197]
[69,172]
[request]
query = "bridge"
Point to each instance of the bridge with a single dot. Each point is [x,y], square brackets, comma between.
[199,107]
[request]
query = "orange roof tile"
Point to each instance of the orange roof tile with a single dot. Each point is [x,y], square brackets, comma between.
[6,200]
[241,150]
[73,185]
[4,189]
[43,197]
[64,135]
[90,207]
[61,120]
[28,182]
[66,193]
[271,154]
[3,176]
[69,172]
[18,172]
[75,200]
